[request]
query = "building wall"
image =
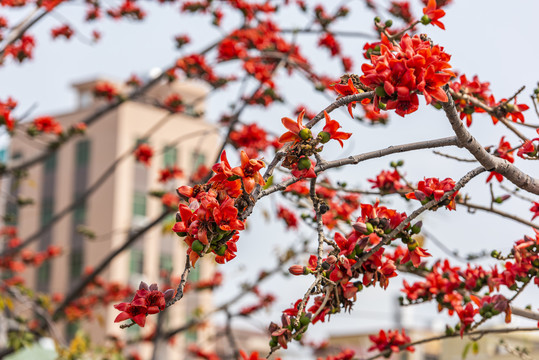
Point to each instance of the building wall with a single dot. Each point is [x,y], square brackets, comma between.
[109,211]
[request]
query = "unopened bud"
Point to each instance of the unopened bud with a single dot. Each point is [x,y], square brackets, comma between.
[154,287]
[324,137]
[332,259]
[304,163]
[381,106]
[305,134]
[197,246]
[143,285]
[389,23]
[297,270]
[420,195]
[360,227]
[168,294]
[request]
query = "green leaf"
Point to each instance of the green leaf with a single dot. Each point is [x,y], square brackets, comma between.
[466,350]
[269,182]
[475,347]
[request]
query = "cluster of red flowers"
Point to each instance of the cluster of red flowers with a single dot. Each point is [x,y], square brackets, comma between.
[304,144]
[27,257]
[5,113]
[210,220]
[195,66]
[105,90]
[402,71]
[148,300]
[208,284]
[480,91]
[167,174]
[290,219]
[144,154]
[528,150]
[128,9]
[448,284]
[21,49]
[181,40]
[134,81]
[388,182]
[174,103]
[98,292]
[251,138]
[392,340]
[433,188]
[401,9]
[264,301]
[505,151]
[46,124]
[64,30]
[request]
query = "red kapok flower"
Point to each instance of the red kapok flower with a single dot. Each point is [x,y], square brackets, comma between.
[249,172]
[331,128]
[432,14]
[144,154]
[294,128]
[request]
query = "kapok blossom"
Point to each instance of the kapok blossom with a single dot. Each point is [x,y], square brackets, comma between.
[144,154]
[47,124]
[433,188]
[294,129]
[432,15]
[148,300]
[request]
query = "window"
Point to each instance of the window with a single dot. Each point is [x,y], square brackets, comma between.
[139,203]
[75,264]
[43,276]
[79,214]
[165,262]
[170,156]
[83,153]
[12,213]
[198,159]
[71,330]
[136,262]
[50,163]
[16,155]
[47,208]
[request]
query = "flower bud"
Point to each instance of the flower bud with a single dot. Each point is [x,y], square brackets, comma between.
[143,285]
[154,287]
[381,106]
[360,227]
[377,19]
[389,23]
[420,195]
[370,228]
[324,137]
[304,163]
[305,134]
[305,320]
[221,251]
[412,245]
[197,246]
[168,294]
[296,270]
[425,20]
[331,259]
[416,228]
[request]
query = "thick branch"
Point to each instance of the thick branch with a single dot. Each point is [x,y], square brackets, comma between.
[490,162]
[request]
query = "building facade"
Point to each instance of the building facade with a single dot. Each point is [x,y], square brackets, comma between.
[120,205]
